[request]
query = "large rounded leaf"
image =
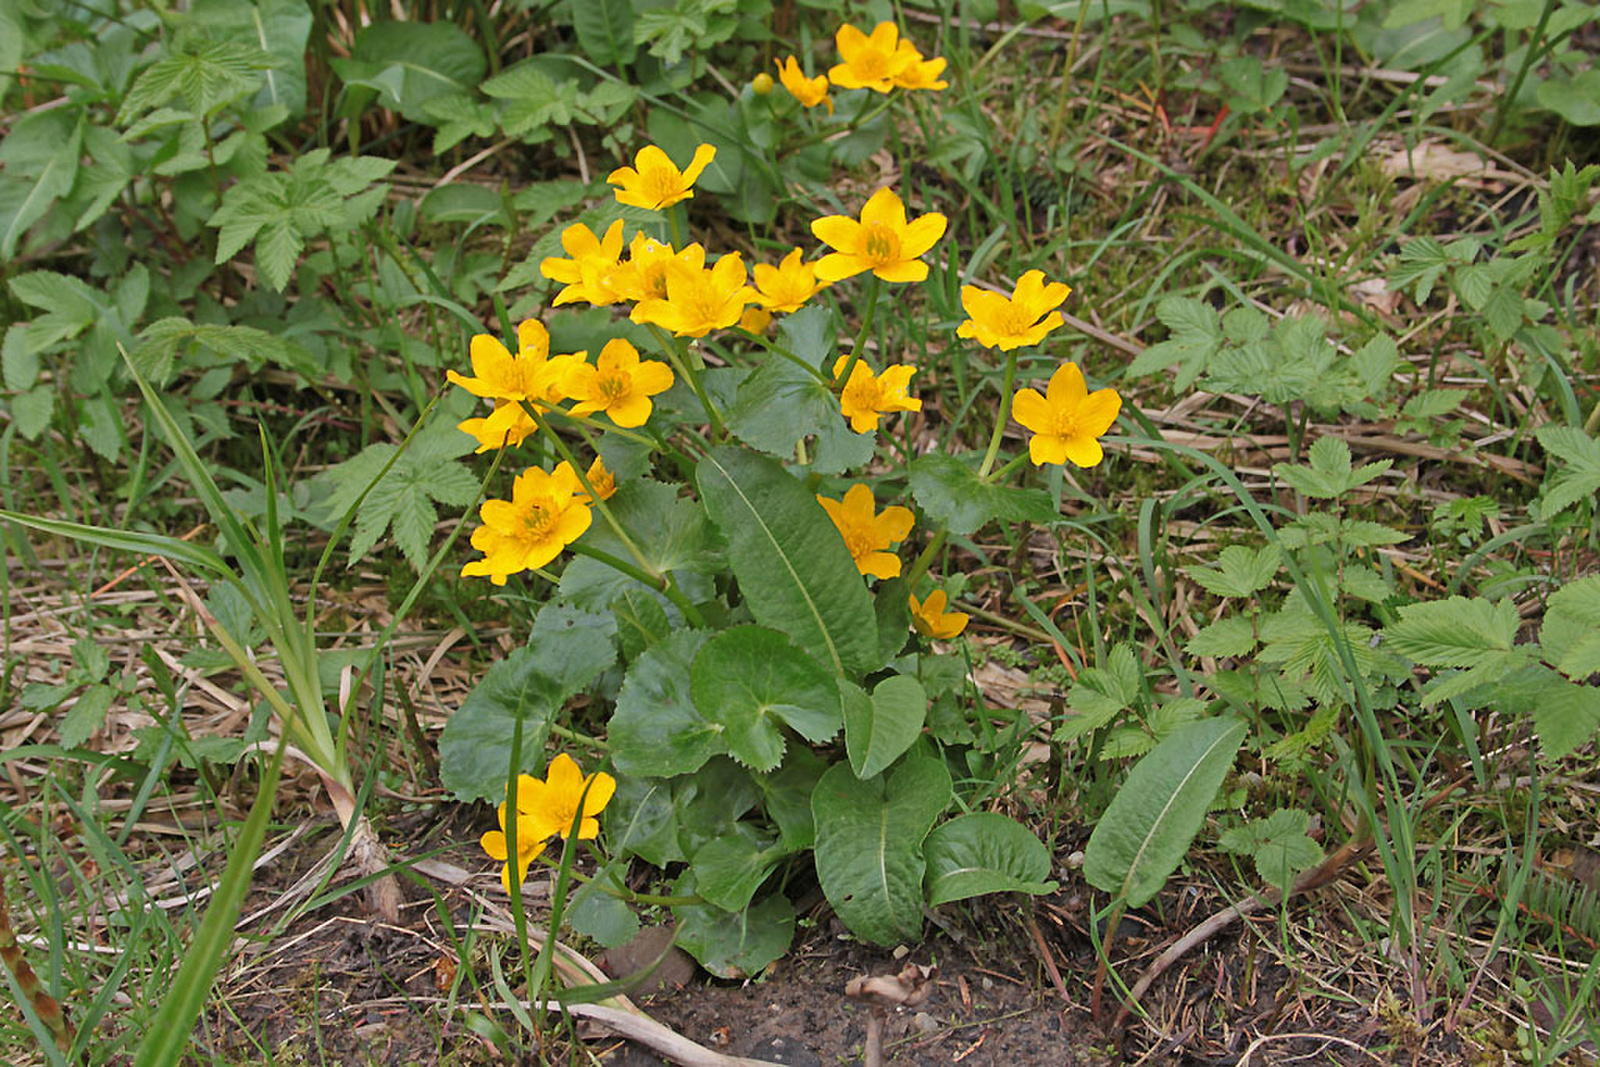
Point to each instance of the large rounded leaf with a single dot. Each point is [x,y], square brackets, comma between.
[792,565]
[749,679]
[1152,820]
[869,845]
[656,731]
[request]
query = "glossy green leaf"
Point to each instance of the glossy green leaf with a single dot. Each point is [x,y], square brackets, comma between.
[878,730]
[750,680]
[869,845]
[950,490]
[729,870]
[733,944]
[656,730]
[793,568]
[984,852]
[1143,835]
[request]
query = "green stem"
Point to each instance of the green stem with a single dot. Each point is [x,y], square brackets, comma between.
[662,583]
[675,224]
[1528,60]
[648,899]
[684,362]
[1011,465]
[867,315]
[600,506]
[1002,420]
[1592,423]
[592,743]
[778,350]
[925,559]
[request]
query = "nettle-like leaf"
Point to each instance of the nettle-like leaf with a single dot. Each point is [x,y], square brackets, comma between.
[1570,635]
[869,852]
[164,341]
[208,75]
[1144,833]
[1475,634]
[1329,475]
[1279,844]
[1565,713]
[1239,571]
[1424,260]
[403,500]
[1102,693]
[685,25]
[984,852]
[40,161]
[1196,338]
[752,681]
[1579,478]
[1231,635]
[279,210]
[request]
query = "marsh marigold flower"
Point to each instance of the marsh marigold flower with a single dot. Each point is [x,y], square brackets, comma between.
[1067,420]
[619,384]
[998,321]
[868,533]
[593,258]
[654,181]
[549,807]
[930,618]
[643,275]
[509,425]
[699,300]
[601,480]
[531,837]
[866,397]
[548,510]
[870,62]
[809,91]
[882,241]
[788,285]
[919,73]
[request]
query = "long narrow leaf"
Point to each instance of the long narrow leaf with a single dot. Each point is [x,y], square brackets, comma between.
[198,557]
[168,1037]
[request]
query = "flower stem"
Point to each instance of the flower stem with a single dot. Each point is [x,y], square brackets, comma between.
[665,584]
[1011,465]
[861,336]
[778,350]
[685,363]
[1002,419]
[925,559]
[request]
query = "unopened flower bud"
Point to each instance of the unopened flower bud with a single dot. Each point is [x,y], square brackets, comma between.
[761,84]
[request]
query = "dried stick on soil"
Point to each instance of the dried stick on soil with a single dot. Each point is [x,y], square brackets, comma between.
[637,1026]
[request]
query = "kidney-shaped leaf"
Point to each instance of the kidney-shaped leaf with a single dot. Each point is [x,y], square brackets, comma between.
[749,679]
[1143,835]
[656,730]
[984,852]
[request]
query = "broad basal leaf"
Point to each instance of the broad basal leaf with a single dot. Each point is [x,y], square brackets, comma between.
[984,852]
[656,730]
[751,680]
[879,729]
[869,845]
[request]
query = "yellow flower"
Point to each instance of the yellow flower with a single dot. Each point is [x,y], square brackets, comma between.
[546,513]
[509,425]
[809,91]
[531,836]
[620,385]
[867,534]
[555,800]
[755,320]
[593,258]
[1066,421]
[931,620]
[502,376]
[788,285]
[869,62]
[882,242]
[699,300]
[919,73]
[654,181]
[601,480]
[866,398]
[998,321]
[643,275]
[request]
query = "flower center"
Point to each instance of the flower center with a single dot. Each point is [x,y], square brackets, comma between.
[860,542]
[1066,425]
[863,393]
[654,281]
[541,520]
[870,64]
[613,386]
[882,245]
[663,184]
[1015,322]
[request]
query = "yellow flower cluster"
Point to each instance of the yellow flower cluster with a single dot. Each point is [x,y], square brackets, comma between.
[550,807]
[881,61]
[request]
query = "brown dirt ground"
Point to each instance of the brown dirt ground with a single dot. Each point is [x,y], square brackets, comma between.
[338,987]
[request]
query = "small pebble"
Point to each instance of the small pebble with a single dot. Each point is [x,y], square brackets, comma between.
[987,984]
[901,952]
[925,1023]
